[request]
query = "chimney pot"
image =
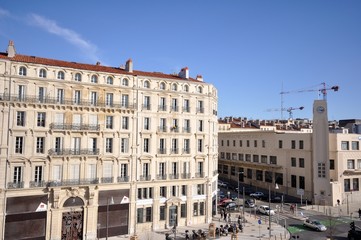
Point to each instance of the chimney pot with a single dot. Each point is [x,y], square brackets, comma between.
[129,65]
[11,49]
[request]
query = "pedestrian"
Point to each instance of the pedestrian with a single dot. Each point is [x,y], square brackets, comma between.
[239,219]
[225,216]
[229,217]
[222,213]
[359,212]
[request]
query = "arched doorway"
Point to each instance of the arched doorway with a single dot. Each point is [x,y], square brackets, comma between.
[72,219]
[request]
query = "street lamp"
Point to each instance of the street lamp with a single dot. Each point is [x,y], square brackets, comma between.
[244,198]
[269,208]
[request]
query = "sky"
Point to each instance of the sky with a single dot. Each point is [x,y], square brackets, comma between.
[250,50]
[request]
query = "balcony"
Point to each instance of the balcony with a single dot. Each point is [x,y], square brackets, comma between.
[162,151]
[185,175]
[75,127]
[174,176]
[174,129]
[186,129]
[186,109]
[13,185]
[145,177]
[35,184]
[174,150]
[162,108]
[162,128]
[200,110]
[107,179]
[161,177]
[174,108]
[186,150]
[72,182]
[146,107]
[199,175]
[63,101]
[73,151]
[123,179]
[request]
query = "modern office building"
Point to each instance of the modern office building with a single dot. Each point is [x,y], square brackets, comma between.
[314,160]
[91,151]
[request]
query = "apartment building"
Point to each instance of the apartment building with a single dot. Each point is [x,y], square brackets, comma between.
[91,151]
[307,160]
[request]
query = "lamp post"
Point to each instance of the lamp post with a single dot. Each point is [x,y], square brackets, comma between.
[244,197]
[269,208]
[107,223]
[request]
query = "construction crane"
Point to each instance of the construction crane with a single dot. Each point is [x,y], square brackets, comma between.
[289,110]
[322,91]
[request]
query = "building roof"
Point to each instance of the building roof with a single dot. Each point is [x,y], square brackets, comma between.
[88,67]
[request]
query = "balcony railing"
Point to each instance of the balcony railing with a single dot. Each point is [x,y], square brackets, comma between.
[63,101]
[200,110]
[107,179]
[186,109]
[146,106]
[34,184]
[185,175]
[199,175]
[174,129]
[162,108]
[187,129]
[72,151]
[161,176]
[174,108]
[15,184]
[144,177]
[174,150]
[174,176]
[162,151]
[75,127]
[186,150]
[123,179]
[162,128]
[72,182]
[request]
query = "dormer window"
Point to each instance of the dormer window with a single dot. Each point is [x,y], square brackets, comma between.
[94,79]
[22,71]
[186,88]
[42,73]
[174,87]
[200,89]
[110,80]
[162,86]
[125,82]
[61,75]
[146,84]
[77,77]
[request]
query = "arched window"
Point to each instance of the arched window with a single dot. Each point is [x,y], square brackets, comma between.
[94,79]
[186,88]
[61,75]
[22,71]
[162,86]
[200,89]
[174,87]
[125,82]
[146,84]
[110,80]
[42,73]
[77,77]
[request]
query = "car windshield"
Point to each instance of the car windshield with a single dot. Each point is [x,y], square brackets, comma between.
[317,223]
[266,208]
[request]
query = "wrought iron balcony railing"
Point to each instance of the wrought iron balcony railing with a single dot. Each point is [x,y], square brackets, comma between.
[15,185]
[144,177]
[75,127]
[72,182]
[200,110]
[161,176]
[162,151]
[123,179]
[162,108]
[185,175]
[199,175]
[73,151]
[162,128]
[187,129]
[107,179]
[174,176]
[34,184]
[186,150]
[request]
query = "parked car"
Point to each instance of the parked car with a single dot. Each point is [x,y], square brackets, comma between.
[265,210]
[314,224]
[231,206]
[258,195]
[224,201]
[276,199]
[249,203]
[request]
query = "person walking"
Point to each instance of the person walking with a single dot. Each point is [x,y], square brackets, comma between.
[359,212]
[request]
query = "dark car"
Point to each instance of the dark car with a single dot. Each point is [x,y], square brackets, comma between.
[276,199]
[249,203]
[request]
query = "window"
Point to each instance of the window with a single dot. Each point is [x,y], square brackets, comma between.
[22,71]
[40,144]
[146,123]
[77,97]
[200,125]
[321,169]
[20,118]
[347,185]
[186,88]
[332,164]
[263,143]
[263,158]
[240,143]
[41,94]
[355,145]
[18,174]
[200,107]
[200,89]
[124,145]
[183,210]
[280,143]
[125,100]
[94,79]
[109,99]
[146,145]
[58,144]
[57,173]
[19,145]
[259,175]
[174,87]
[201,208]
[247,143]
[268,176]
[255,158]
[125,82]
[293,162]
[293,144]
[146,104]
[74,171]
[93,145]
[294,181]
[174,105]
[301,162]
[174,147]
[110,80]
[195,209]
[200,145]
[279,178]
[92,171]
[109,145]
[186,106]
[163,191]
[174,191]
[187,125]
[60,96]
[162,86]
[76,145]
[109,122]
[184,190]
[146,171]
[61,75]
[42,73]
[41,119]
[162,104]
[273,159]
[38,174]
[77,77]
[302,182]
[93,98]
[162,213]
[301,144]
[355,184]
[350,164]
[227,143]
[140,215]
[21,92]
[249,173]
[344,145]
[146,84]
[125,123]
[186,146]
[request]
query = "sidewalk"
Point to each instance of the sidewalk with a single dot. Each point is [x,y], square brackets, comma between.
[251,231]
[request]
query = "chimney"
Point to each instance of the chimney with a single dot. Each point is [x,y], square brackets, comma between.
[98,63]
[11,49]
[199,78]
[129,65]
[184,73]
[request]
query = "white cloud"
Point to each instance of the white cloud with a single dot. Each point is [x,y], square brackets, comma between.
[74,38]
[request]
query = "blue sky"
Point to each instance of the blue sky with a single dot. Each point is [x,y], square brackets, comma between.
[250,50]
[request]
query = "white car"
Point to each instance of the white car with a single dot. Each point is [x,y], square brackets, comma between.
[265,210]
[316,225]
